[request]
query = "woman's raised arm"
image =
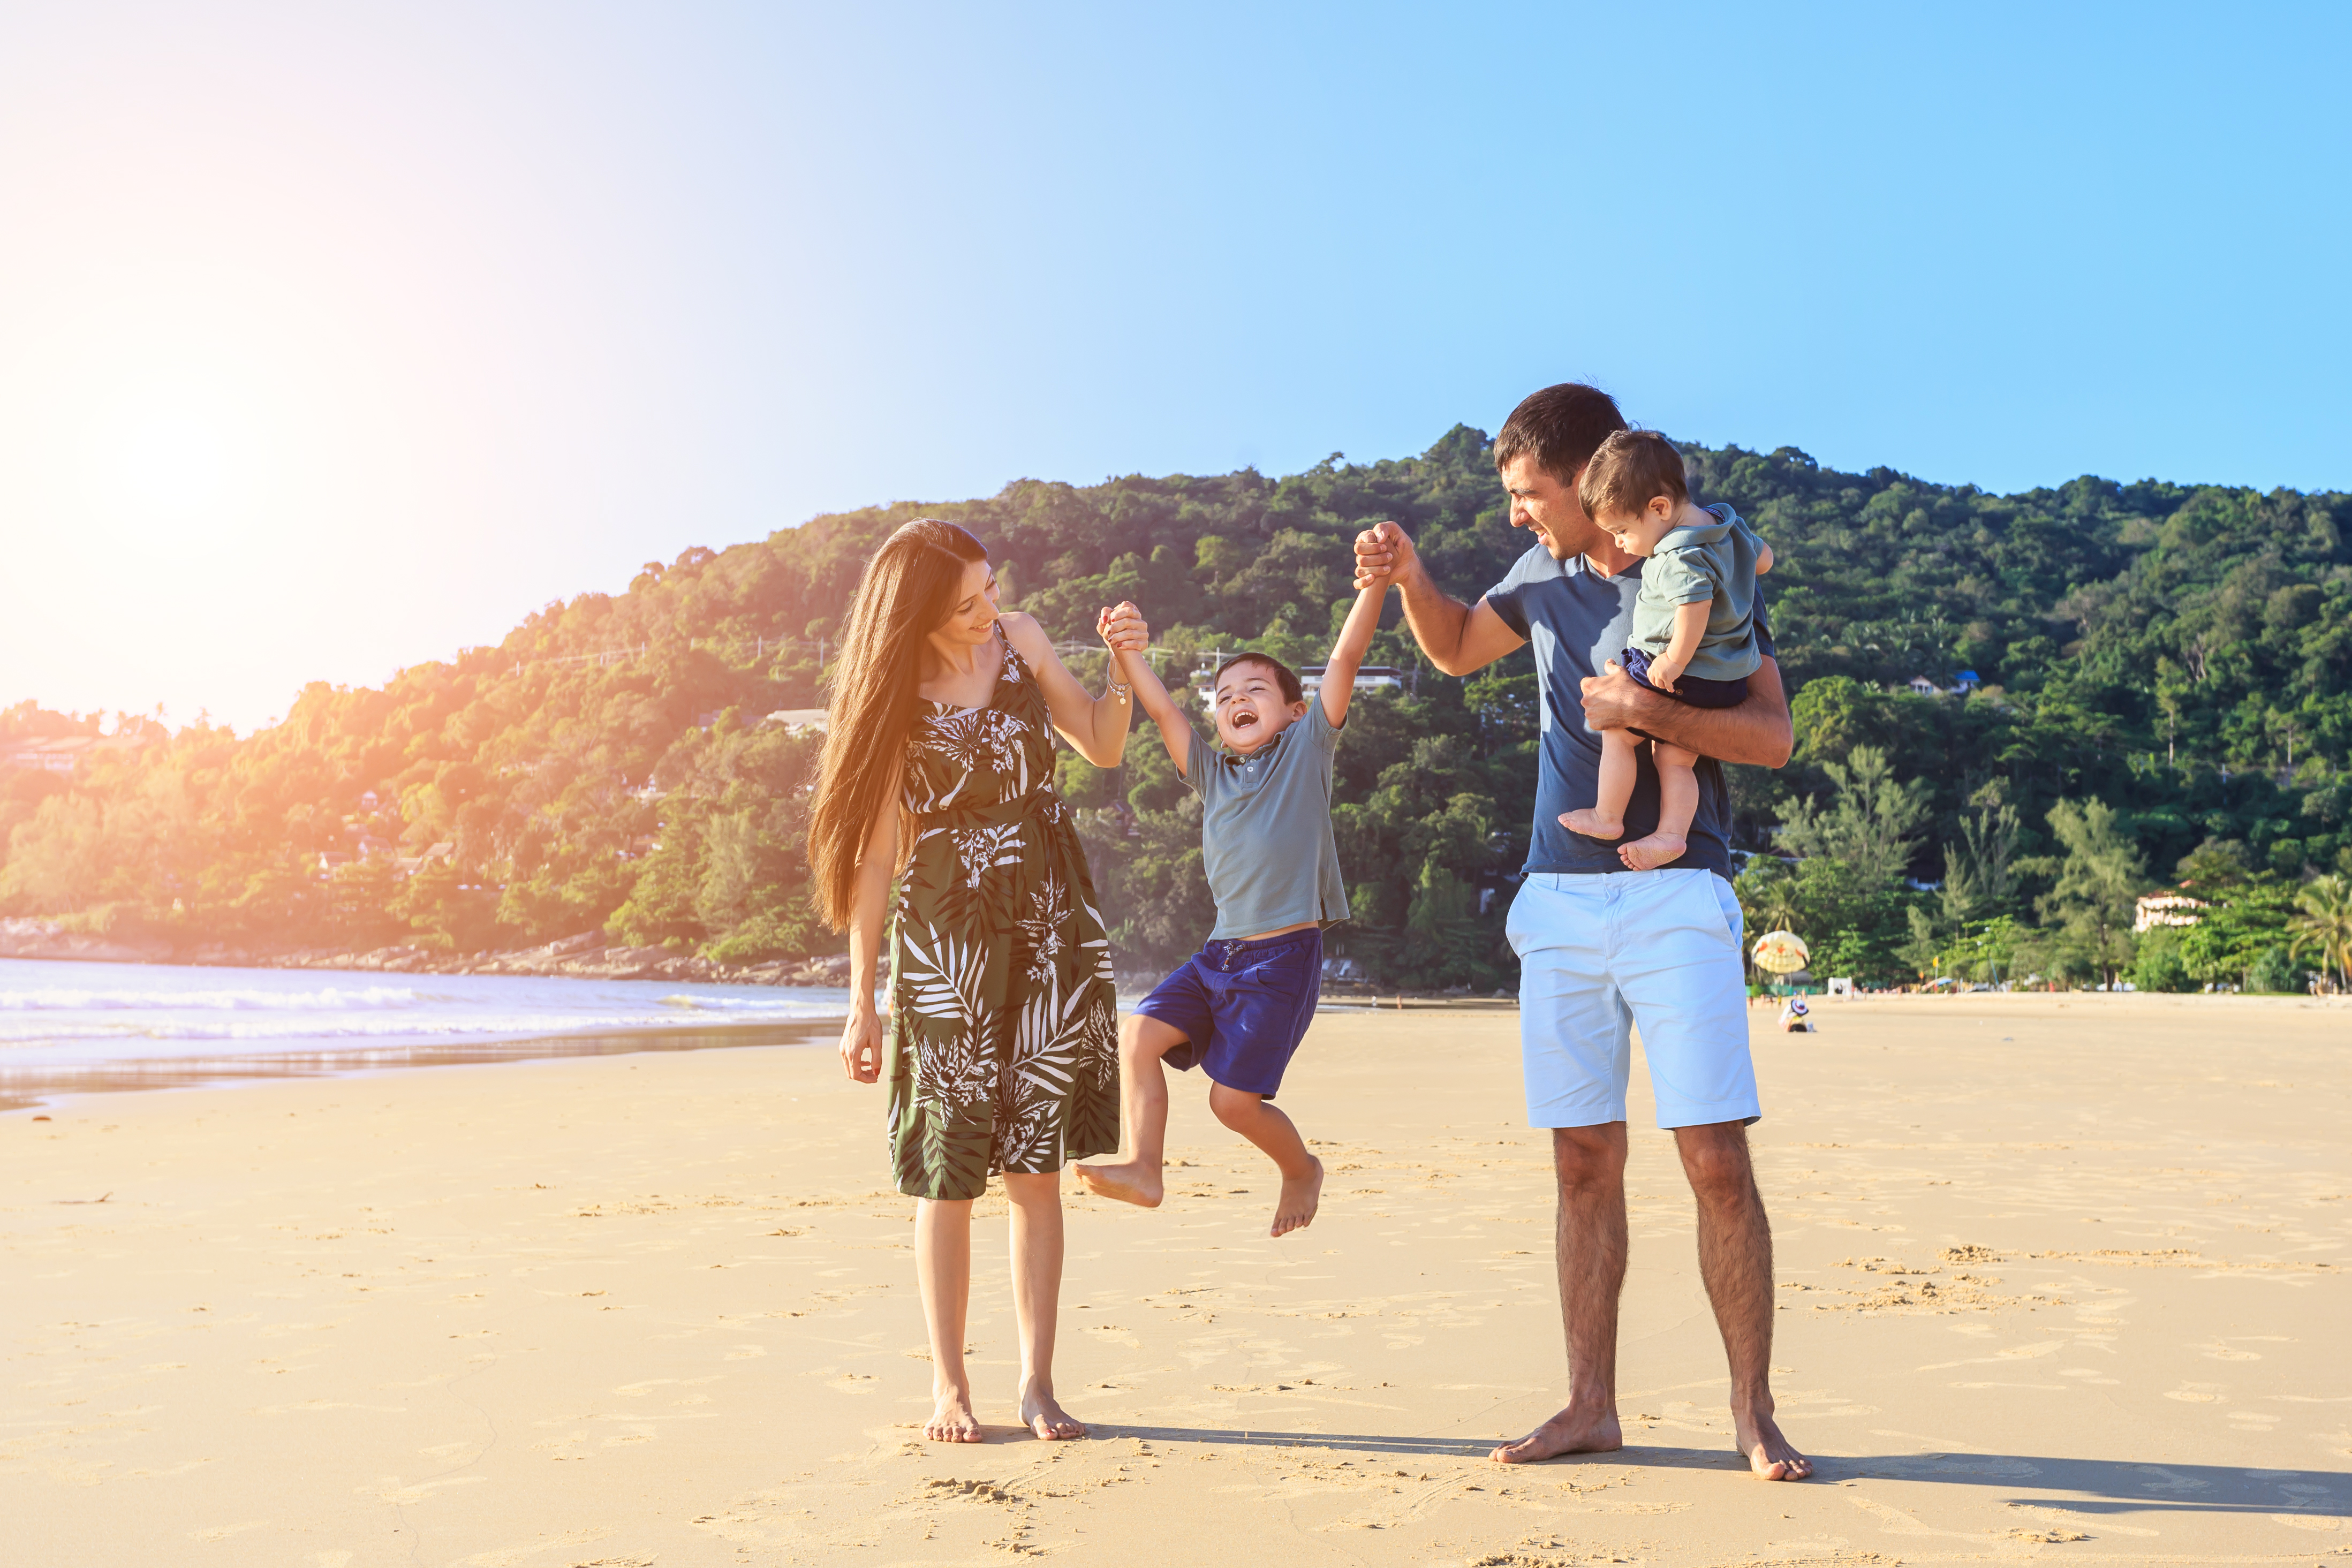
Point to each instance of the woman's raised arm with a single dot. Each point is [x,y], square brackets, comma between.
[1096,725]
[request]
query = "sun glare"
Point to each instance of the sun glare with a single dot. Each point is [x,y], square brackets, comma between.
[168,456]
[172,464]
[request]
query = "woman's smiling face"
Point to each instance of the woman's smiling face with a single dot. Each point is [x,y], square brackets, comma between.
[972,619]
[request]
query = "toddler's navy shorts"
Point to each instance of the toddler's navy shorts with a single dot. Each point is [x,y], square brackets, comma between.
[1243,1006]
[1690,689]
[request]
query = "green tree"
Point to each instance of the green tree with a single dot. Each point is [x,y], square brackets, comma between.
[2322,927]
[2099,883]
[1871,825]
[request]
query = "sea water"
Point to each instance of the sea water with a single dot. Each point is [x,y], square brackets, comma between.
[66,1027]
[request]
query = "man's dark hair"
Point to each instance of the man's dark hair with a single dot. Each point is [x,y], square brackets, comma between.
[1630,469]
[1560,426]
[1283,675]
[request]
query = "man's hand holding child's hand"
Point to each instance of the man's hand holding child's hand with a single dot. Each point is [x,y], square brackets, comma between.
[1383,551]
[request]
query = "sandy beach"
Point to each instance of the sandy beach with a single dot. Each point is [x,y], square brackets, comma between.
[2063,1278]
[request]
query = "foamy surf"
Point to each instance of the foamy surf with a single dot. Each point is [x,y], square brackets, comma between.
[68,1017]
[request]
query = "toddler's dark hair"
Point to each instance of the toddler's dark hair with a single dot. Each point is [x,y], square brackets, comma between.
[1630,469]
[1283,675]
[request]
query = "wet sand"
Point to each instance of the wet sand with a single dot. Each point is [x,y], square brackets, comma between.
[2062,1279]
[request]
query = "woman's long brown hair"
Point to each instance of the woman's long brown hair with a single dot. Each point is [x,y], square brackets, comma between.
[909,587]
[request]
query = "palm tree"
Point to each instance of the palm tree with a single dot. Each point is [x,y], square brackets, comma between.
[2323,922]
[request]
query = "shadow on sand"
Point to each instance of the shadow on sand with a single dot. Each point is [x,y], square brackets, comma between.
[2083,1486]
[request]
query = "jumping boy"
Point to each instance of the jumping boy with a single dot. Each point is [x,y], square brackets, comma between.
[1238,1007]
[1693,636]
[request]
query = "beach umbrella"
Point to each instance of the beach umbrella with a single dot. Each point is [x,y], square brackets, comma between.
[1782,952]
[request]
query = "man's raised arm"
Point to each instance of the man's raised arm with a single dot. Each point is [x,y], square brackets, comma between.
[1757,731]
[1458,638]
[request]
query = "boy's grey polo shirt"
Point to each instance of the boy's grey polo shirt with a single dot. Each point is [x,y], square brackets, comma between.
[1265,828]
[1575,620]
[1711,561]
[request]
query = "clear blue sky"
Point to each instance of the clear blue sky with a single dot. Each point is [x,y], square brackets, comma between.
[334,338]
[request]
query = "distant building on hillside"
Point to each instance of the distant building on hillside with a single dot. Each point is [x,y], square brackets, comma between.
[798,718]
[1368,678]
[63,753]
[2167,906]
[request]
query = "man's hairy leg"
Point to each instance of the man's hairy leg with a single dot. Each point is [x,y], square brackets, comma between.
[1591,1163]
[1734,1260]
[1137,1179]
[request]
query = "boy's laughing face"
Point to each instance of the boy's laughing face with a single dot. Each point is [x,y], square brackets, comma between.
[1250,708]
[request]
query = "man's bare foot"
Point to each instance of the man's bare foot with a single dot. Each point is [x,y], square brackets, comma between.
[1129,1181]
[953,1421]
[1294,1210]
[1044,1414]
[1650,853]
[1594,825]
[1572,1431]
[1772,1456]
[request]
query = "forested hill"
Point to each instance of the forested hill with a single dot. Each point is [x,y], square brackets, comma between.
[2179,655]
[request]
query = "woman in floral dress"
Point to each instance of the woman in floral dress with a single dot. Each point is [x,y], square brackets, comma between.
[936,807]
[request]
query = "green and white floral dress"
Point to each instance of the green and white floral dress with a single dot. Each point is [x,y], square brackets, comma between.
[1004,1039]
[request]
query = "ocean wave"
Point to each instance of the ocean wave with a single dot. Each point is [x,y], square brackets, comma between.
[331,999]
[747,1005]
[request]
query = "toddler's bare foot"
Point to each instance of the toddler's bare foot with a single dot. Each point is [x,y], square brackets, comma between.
[1593,824]
[1294,1210]
[1045,1416]
[1131,1181]
[953,1421]
[1650,853]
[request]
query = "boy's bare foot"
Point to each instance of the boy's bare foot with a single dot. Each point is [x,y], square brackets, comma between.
[953,1421]
[1044,1414]
[1594,825]
[1772,1456]
[1572,1431]
[1650,853]
[1129,1181]
[1294,1210]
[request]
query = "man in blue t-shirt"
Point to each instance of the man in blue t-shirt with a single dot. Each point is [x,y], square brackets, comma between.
[1602,949]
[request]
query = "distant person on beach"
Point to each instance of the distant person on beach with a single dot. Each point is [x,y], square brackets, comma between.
[1602,946]
[936,809]
[1239,1007]
[1694,636]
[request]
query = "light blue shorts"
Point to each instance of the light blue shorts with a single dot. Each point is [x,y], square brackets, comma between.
[1601,954]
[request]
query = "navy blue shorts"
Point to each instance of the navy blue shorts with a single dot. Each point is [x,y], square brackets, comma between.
[1242,1008]
[1690,689]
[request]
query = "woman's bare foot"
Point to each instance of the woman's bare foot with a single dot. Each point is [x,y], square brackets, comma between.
[1131,1181]
[1772,1456]
[1594,825]
[1045,1416]
[1572,1431]
[953,1421]
[1294,1210]
[1650,853]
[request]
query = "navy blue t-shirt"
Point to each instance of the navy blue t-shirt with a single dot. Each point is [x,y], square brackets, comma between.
[1576,620]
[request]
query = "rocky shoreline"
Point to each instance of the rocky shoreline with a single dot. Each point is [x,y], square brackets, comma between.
[582,958]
